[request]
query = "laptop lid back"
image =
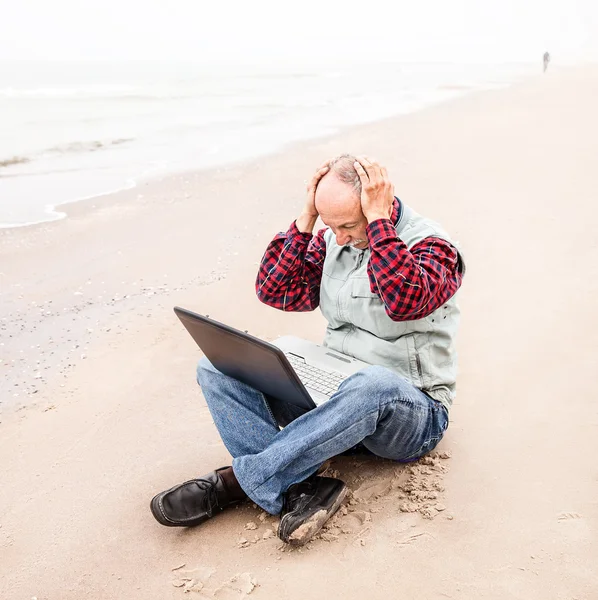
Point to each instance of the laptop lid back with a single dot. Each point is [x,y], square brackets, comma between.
[248,359]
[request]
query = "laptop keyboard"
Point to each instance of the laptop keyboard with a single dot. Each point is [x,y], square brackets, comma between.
[322,381]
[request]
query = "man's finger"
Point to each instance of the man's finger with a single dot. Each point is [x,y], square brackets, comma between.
[320,173]
[381,174]
[371,168]
[365,164]
[370,161]
[361,172]
[321,170]
[375,165]
[315,180]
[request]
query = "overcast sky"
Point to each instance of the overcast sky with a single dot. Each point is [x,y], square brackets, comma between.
[247,30]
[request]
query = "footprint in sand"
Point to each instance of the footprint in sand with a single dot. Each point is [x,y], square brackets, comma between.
[199,580]
[238,587]
[370,491]
[355,521]
[568,516]
[192,580]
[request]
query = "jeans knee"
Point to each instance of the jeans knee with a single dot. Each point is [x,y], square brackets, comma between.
[204,369]
[378,382]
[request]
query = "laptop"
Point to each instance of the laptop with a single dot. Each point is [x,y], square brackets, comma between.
[290,370]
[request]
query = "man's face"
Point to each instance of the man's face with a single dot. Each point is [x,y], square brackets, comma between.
[339,207]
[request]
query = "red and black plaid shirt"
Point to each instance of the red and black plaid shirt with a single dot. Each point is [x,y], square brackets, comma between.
[412,283]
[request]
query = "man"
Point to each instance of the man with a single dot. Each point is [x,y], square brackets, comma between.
[546,60]
[385,279]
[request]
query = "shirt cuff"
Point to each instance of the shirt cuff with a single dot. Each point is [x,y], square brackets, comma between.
[294,233]
[380,230]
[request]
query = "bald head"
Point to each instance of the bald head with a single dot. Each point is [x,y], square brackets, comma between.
[338,202]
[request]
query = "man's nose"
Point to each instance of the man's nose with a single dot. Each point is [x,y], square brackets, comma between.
[342,239]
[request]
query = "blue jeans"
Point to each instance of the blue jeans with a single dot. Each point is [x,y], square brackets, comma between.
[374,407]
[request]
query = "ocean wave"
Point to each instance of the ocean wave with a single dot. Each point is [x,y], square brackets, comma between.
[15,160]
[71,148]
[90,146]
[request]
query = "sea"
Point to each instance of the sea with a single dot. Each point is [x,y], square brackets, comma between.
[76,130]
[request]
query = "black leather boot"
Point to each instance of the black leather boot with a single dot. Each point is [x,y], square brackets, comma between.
[307,506]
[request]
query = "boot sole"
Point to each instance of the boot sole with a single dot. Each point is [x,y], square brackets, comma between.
[306,531]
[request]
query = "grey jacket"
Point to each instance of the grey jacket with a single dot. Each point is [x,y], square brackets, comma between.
[422,350]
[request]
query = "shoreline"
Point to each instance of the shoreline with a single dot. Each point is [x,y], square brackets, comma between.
[457,91]
[96,213]
[52,208]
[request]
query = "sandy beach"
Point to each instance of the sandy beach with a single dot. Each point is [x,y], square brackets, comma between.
[99,409]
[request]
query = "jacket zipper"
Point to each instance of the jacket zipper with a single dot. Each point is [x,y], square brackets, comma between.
[359,261]
[419,366]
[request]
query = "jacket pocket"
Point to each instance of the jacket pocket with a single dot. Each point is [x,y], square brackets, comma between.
[415,363]
[368,312]
[360,288]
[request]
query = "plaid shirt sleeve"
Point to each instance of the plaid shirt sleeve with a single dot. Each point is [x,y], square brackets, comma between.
[291,271]
[411,283]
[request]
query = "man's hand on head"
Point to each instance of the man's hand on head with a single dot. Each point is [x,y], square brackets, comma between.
[309,216]
[377,191]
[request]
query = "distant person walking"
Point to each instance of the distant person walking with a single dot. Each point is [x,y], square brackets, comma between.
[546,60]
